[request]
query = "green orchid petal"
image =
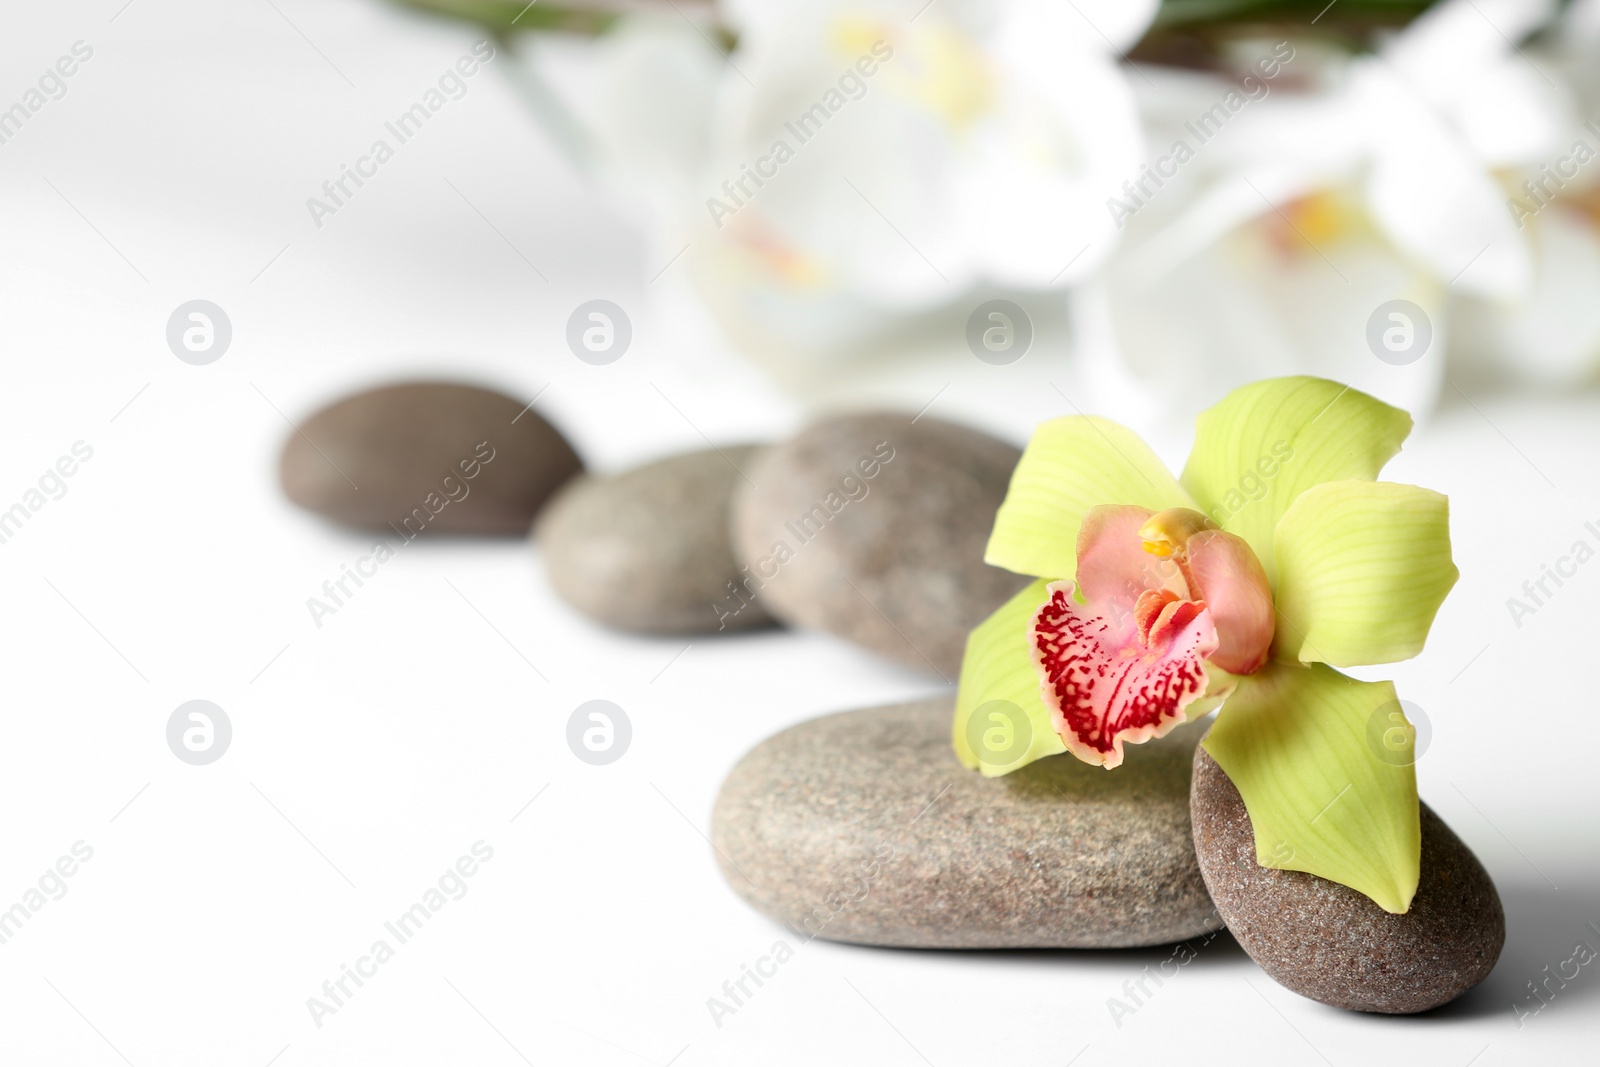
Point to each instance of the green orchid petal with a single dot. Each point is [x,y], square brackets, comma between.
[1362,570]
[1324,794]
[1071,465]
[1001,722]
[1266,443]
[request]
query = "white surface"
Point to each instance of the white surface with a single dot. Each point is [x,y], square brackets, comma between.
[371,753]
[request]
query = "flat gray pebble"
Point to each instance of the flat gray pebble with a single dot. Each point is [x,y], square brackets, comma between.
[1330,943]
[427,457]
[648,550]
[873,527]
[863,827]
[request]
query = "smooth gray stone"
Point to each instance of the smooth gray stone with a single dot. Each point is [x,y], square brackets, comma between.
[864,827]
[648,550]
[899,568]
[1330,943]
[427,457]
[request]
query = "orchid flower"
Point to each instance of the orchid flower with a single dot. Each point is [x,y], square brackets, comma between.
[1275,558]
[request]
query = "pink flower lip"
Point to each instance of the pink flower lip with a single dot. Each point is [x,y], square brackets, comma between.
[1162,594]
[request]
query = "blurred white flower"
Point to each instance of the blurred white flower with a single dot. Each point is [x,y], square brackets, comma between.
[1355,181]
[855,174]
[976,154]
[855,166]
[1549,334]
[631,107]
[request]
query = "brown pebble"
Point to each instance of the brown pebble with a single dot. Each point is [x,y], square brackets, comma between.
[648,550]
[882,523]
[427,456]
[1330,943]
[863,827]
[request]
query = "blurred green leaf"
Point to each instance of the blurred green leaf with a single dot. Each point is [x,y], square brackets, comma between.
[1359,12]
[505,16]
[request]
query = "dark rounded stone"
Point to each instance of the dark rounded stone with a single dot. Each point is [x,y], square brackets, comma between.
[873,527]
[433,456]
[1330,943]
[648,550]
[863,827]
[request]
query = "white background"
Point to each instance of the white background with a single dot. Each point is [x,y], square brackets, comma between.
[369,754]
